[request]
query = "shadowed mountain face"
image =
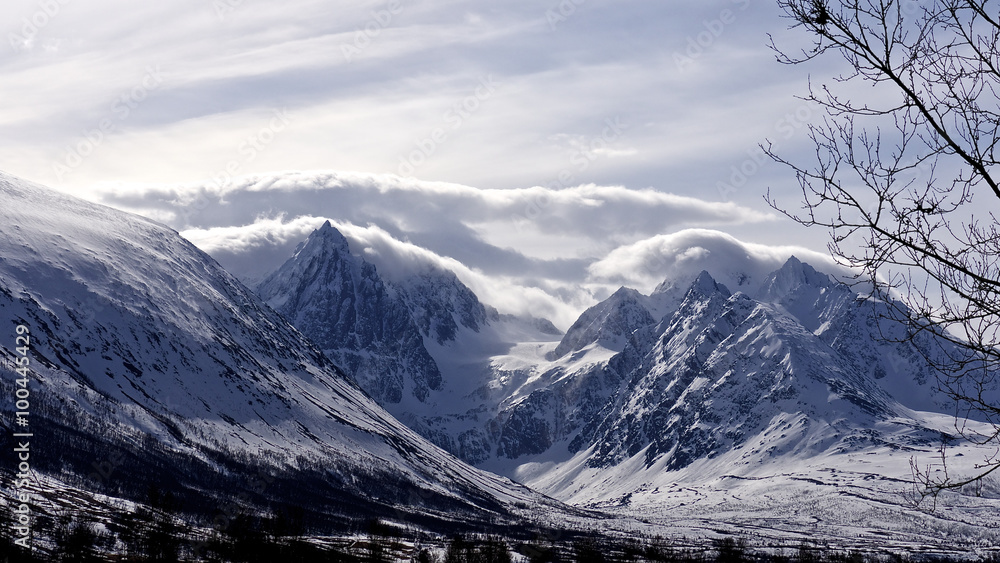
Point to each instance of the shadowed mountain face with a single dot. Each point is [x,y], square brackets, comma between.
[609,323]
[689,372]
[341,303]
[154,368]
[151,360]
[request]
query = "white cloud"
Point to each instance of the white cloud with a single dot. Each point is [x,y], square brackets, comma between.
[255,250]
[594,141]
[538,233]
[682,255]
[585,210]
[489,238]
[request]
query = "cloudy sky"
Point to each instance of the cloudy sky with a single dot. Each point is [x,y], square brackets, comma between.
[545,151]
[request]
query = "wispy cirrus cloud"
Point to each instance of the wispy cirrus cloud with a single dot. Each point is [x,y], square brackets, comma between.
[606,124]
[367,82]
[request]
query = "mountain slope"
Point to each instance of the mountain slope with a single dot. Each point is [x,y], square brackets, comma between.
[798,369]
[341,303]
[608,323]
[862,332]
[721,370]
[150,359]
[441,305]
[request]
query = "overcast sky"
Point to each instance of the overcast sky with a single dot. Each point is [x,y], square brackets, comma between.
[522,144]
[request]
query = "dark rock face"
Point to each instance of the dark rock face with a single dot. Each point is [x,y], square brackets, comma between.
[440,305]
[340,303]
[608,323]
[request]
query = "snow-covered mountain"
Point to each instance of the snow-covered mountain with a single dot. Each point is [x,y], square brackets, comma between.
[441,305]
[609,323]
[153,364]
[710,404]
[800,370]
[339,301]
[780,413]
[756,376]
[687,372]
[720,371]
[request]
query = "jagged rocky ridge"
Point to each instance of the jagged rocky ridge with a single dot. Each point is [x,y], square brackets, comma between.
[798,371]
[344,307]
[686,373]
[153,364]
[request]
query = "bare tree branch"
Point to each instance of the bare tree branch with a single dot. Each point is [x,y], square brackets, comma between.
[905,183]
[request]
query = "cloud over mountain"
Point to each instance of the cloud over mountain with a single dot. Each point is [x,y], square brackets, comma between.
[545,250]
[683,254]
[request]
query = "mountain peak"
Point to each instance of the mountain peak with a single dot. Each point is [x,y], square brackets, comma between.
[608,323]
[341,303]
[803,270]
[326,245]
[706,284]
[329,235]
[792,275]
[624,293]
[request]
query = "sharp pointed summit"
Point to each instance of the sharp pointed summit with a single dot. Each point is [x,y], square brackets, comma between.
[609,323]
[152,363]
[705,284]
[340,301]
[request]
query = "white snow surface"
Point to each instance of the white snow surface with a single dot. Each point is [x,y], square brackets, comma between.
[133,324]
[769,379]
[139,326]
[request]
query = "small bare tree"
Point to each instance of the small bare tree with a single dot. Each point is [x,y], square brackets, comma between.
[904,175]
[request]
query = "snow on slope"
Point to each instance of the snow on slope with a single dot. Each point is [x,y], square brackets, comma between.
[341,303]
[780,417]
[143,344]
[862,499]
[782,414]
[775,382]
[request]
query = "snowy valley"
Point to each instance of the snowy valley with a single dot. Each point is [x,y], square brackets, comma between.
[728,402]
[693,396]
